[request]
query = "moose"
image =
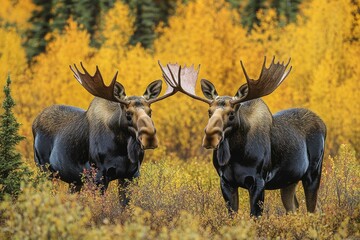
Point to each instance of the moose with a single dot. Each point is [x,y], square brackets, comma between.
[111,135]
[254,149]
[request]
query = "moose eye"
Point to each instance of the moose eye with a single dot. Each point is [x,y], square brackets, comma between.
[231,116]
[150,113]
[209,112]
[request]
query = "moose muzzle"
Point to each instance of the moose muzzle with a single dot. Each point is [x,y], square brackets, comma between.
[147,132]
[213,131]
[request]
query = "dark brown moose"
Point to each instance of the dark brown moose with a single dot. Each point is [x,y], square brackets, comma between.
[256,150]
[111,135]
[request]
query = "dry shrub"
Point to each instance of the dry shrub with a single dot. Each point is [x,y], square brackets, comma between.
[173,199]
[39,214]
[171,189]
[105,208]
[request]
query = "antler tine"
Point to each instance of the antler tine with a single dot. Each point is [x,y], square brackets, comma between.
[95,84]
[269,79]
[174,82]
[166,78]
[187,84]
[171,85]
[179,74]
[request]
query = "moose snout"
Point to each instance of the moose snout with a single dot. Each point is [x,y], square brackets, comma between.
[213,133]
[147,133]
[211,142]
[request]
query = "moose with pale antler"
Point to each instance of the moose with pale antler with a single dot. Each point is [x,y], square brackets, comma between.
[110,135]
[254,149]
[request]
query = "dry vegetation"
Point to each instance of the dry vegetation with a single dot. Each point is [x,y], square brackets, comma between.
[174,199]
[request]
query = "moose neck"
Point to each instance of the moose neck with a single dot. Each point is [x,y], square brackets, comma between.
[106,113]
[255,120]
[108,130]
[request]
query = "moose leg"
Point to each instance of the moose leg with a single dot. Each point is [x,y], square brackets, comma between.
[311,179]
[231,196]
[103,187]
[311,186]
[256,188]
[101,181]
[311,182]
[123,185]
[73,188]
[288,198]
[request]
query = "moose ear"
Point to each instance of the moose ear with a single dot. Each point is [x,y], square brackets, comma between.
[153,90]
[119,90]
[243,90]
[208,89]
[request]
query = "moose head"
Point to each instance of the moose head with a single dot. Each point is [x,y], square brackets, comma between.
[222,109]
[136,108]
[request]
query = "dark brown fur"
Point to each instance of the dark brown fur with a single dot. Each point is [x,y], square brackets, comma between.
[109,136]
[259,151]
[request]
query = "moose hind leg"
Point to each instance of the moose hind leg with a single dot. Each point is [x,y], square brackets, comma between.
[311,179]
[288,198]
[311,183]
[311,186]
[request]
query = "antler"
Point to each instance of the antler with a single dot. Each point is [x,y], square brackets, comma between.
[182,79]
[270,78]
[95,84]
[170,90]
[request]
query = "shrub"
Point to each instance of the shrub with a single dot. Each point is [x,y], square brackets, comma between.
[38,214]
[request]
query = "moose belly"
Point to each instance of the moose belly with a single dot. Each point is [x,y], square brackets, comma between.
[67,170]
[289,173]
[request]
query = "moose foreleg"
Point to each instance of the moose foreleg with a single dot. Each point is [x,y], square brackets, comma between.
[74,188]
[123,197]
[256,189]
[231,196]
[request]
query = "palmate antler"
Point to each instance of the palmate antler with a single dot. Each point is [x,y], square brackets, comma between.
[182,79]
[171,88]
[270,78]
[96,86]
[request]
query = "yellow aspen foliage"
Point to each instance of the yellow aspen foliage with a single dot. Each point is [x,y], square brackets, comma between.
[16,13]
[267,40]
[117,32]
[118,28]
[13,61]
[326,68]
[201,32]
[207,32]
[12,56]
[135,65]
[51,80]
